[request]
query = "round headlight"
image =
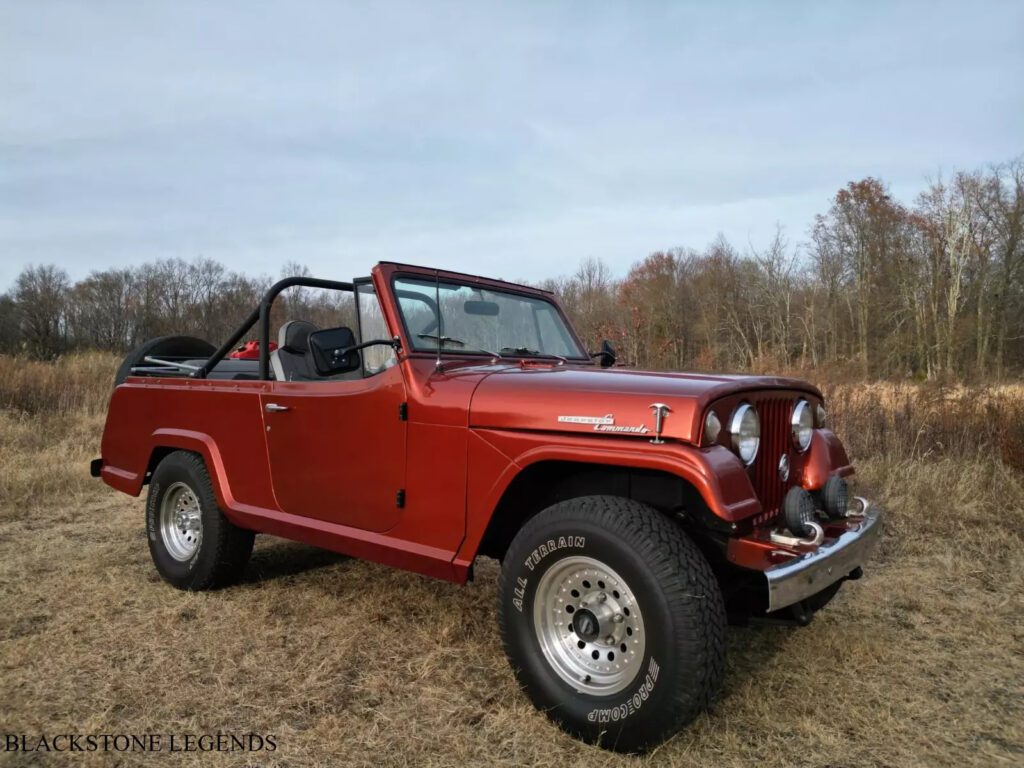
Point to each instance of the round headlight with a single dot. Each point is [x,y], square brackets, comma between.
[745,428]
[803,424]
[712,427]
[822,416]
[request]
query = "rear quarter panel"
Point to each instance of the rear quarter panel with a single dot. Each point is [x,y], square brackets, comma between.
[221,420]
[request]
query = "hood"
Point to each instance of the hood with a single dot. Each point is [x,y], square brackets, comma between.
[614,402]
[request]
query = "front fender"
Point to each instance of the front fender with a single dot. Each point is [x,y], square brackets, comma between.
[497,457]
[825,457]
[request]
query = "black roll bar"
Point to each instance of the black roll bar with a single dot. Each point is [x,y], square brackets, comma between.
[262,313]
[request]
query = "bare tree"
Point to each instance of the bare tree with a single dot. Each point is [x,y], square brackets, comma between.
[40,294]
[1000,199]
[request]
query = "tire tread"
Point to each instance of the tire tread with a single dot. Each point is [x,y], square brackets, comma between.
[688,584]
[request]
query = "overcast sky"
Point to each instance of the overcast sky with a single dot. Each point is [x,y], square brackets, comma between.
[511,139]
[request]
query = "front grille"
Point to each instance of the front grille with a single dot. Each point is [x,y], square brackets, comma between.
[775,413]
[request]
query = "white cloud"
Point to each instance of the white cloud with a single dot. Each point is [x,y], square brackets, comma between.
[510,138]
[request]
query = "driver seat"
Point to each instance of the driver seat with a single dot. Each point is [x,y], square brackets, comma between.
[290,361]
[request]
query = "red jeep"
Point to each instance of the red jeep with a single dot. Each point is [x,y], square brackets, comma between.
[633,512]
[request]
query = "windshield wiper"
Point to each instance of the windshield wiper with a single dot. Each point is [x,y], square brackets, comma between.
[442,340]
[532,353]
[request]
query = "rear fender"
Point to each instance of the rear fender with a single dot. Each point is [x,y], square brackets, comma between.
[205,446]
[163,441]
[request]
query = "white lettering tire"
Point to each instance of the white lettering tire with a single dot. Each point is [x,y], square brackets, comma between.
[612,620]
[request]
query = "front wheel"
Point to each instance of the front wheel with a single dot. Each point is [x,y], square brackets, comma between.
[612,620]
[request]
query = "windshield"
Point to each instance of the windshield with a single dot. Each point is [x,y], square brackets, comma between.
[482,320]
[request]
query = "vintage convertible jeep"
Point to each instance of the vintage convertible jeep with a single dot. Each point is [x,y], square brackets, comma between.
[633,512]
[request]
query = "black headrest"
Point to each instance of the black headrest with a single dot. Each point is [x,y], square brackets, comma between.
[294,336]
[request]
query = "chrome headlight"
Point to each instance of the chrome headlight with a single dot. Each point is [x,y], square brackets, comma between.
[745,428]
[802,423]
[822,416]
[712,428]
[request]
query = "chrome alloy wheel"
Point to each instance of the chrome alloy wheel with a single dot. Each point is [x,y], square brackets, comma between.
[589,626]
[181,522]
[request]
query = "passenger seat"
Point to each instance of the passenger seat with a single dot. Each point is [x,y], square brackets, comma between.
[291,361]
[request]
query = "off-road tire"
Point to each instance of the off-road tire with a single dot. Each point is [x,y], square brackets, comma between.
[224,548]
[676,593]
[164,346]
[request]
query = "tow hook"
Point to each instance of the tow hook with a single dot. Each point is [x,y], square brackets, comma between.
[817,536]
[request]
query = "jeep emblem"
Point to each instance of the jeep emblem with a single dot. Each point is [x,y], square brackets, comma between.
[784,467]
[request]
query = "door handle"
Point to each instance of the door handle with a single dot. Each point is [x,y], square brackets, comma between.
[276,407]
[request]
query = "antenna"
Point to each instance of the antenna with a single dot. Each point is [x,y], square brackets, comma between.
[438,365]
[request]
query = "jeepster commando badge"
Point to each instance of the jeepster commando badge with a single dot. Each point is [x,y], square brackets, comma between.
[608,419]
[605,423]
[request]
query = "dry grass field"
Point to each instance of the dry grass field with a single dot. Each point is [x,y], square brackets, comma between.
[348,663]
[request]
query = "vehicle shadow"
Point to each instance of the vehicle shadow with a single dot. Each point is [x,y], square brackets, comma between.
[751,647]
[275,558]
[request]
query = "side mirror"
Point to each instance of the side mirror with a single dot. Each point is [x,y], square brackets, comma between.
[332,351]
[607,354]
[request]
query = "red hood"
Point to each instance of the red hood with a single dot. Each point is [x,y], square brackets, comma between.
[614,402]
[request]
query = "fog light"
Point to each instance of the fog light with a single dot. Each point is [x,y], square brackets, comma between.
[835,497]
[798,512]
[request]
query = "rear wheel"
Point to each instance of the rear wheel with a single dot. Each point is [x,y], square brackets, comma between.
[193,545]
[612,620]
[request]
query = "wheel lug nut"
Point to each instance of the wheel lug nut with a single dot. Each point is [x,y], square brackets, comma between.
[609,639]
[602,597]
[617,618]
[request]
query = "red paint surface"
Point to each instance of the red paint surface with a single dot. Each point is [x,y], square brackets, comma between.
[328,469]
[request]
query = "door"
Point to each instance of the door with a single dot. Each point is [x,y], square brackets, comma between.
[337,448]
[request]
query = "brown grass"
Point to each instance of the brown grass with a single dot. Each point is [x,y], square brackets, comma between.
[352,663]
[73,384]
[913,422]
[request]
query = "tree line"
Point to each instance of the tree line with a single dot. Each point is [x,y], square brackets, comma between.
[930,289]
[46,315]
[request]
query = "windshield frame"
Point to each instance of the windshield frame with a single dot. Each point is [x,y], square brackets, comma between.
[457,280]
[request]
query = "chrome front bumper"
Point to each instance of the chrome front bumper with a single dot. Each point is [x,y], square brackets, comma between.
[801,577]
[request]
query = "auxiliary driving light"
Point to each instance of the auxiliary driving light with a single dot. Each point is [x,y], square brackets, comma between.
[798,511]
[835,496]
